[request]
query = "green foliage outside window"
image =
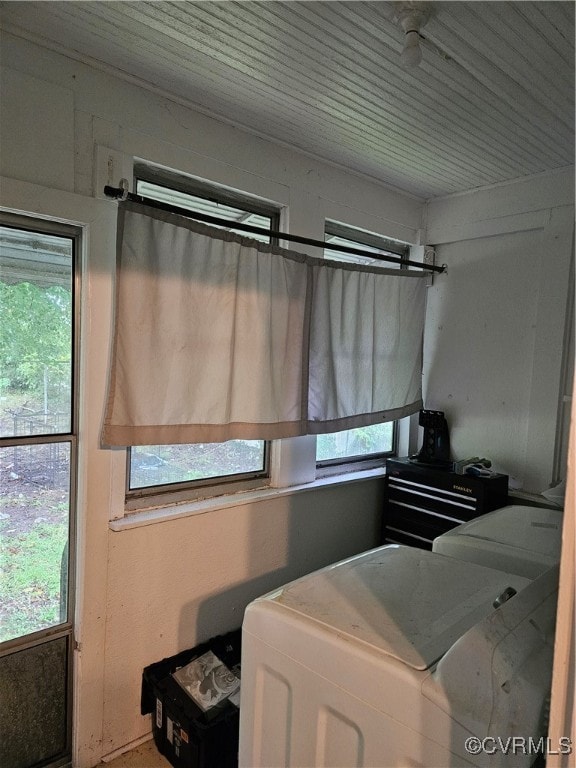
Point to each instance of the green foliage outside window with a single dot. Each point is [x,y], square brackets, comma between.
[35,336]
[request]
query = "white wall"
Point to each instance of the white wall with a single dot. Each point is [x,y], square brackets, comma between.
[146,592]
[495,331]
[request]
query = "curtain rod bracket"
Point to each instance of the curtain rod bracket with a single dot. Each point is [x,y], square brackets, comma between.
[124,188]
[429,260]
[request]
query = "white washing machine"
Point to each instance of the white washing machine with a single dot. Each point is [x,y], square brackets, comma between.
[517,539]
[394,658]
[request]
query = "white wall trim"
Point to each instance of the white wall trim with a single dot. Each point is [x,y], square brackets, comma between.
[97,219]
[546,381]
[473,230]
[504,208]
[227,501]
[552,174]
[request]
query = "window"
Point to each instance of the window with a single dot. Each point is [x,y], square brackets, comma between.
[355,444]
[173,468]
[338,234]
[378,440]
[37,424]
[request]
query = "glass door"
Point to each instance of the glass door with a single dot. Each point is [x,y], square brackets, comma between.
[38,280]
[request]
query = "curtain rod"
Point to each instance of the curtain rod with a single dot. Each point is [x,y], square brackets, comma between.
[122,194]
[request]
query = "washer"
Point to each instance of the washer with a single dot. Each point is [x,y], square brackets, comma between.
[517,539]
[394,658]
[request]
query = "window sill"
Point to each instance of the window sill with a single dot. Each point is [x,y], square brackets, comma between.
[176,511]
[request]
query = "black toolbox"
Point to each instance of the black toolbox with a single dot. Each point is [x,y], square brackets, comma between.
[422,502]
[183,733]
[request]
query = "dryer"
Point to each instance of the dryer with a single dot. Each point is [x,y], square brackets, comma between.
[395,658]
[517,539]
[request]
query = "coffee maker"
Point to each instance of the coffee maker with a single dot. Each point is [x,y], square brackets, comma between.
[435,450]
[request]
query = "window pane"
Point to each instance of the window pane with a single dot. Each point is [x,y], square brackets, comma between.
[209,207]
[164,464]
[35,333]
[352,443]
[330,253]
[34,525]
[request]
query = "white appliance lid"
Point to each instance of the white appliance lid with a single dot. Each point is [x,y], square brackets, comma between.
[534,529]
[407,603]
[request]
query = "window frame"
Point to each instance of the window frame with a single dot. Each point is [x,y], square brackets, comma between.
[369,239]
[74,233]
[191,490]
[215,193]
[363,460]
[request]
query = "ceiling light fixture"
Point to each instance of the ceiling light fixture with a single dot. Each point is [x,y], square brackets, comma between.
[412,17]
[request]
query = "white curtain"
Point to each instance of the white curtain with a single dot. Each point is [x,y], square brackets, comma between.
[365,347]
[220,337]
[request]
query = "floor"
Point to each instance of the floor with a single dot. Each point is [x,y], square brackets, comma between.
[144,756]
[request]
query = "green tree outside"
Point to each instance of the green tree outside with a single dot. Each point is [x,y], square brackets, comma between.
[35,337]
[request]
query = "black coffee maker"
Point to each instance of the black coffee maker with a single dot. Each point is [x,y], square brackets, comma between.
[435,450]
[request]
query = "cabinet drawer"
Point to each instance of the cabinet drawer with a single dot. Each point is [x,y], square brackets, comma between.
[424,524]
[412,495]
[406,538]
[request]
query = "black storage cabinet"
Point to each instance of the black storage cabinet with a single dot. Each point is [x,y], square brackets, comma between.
[422,502]
[183,733]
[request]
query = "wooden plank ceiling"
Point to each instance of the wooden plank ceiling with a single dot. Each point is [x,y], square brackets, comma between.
[492,100]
